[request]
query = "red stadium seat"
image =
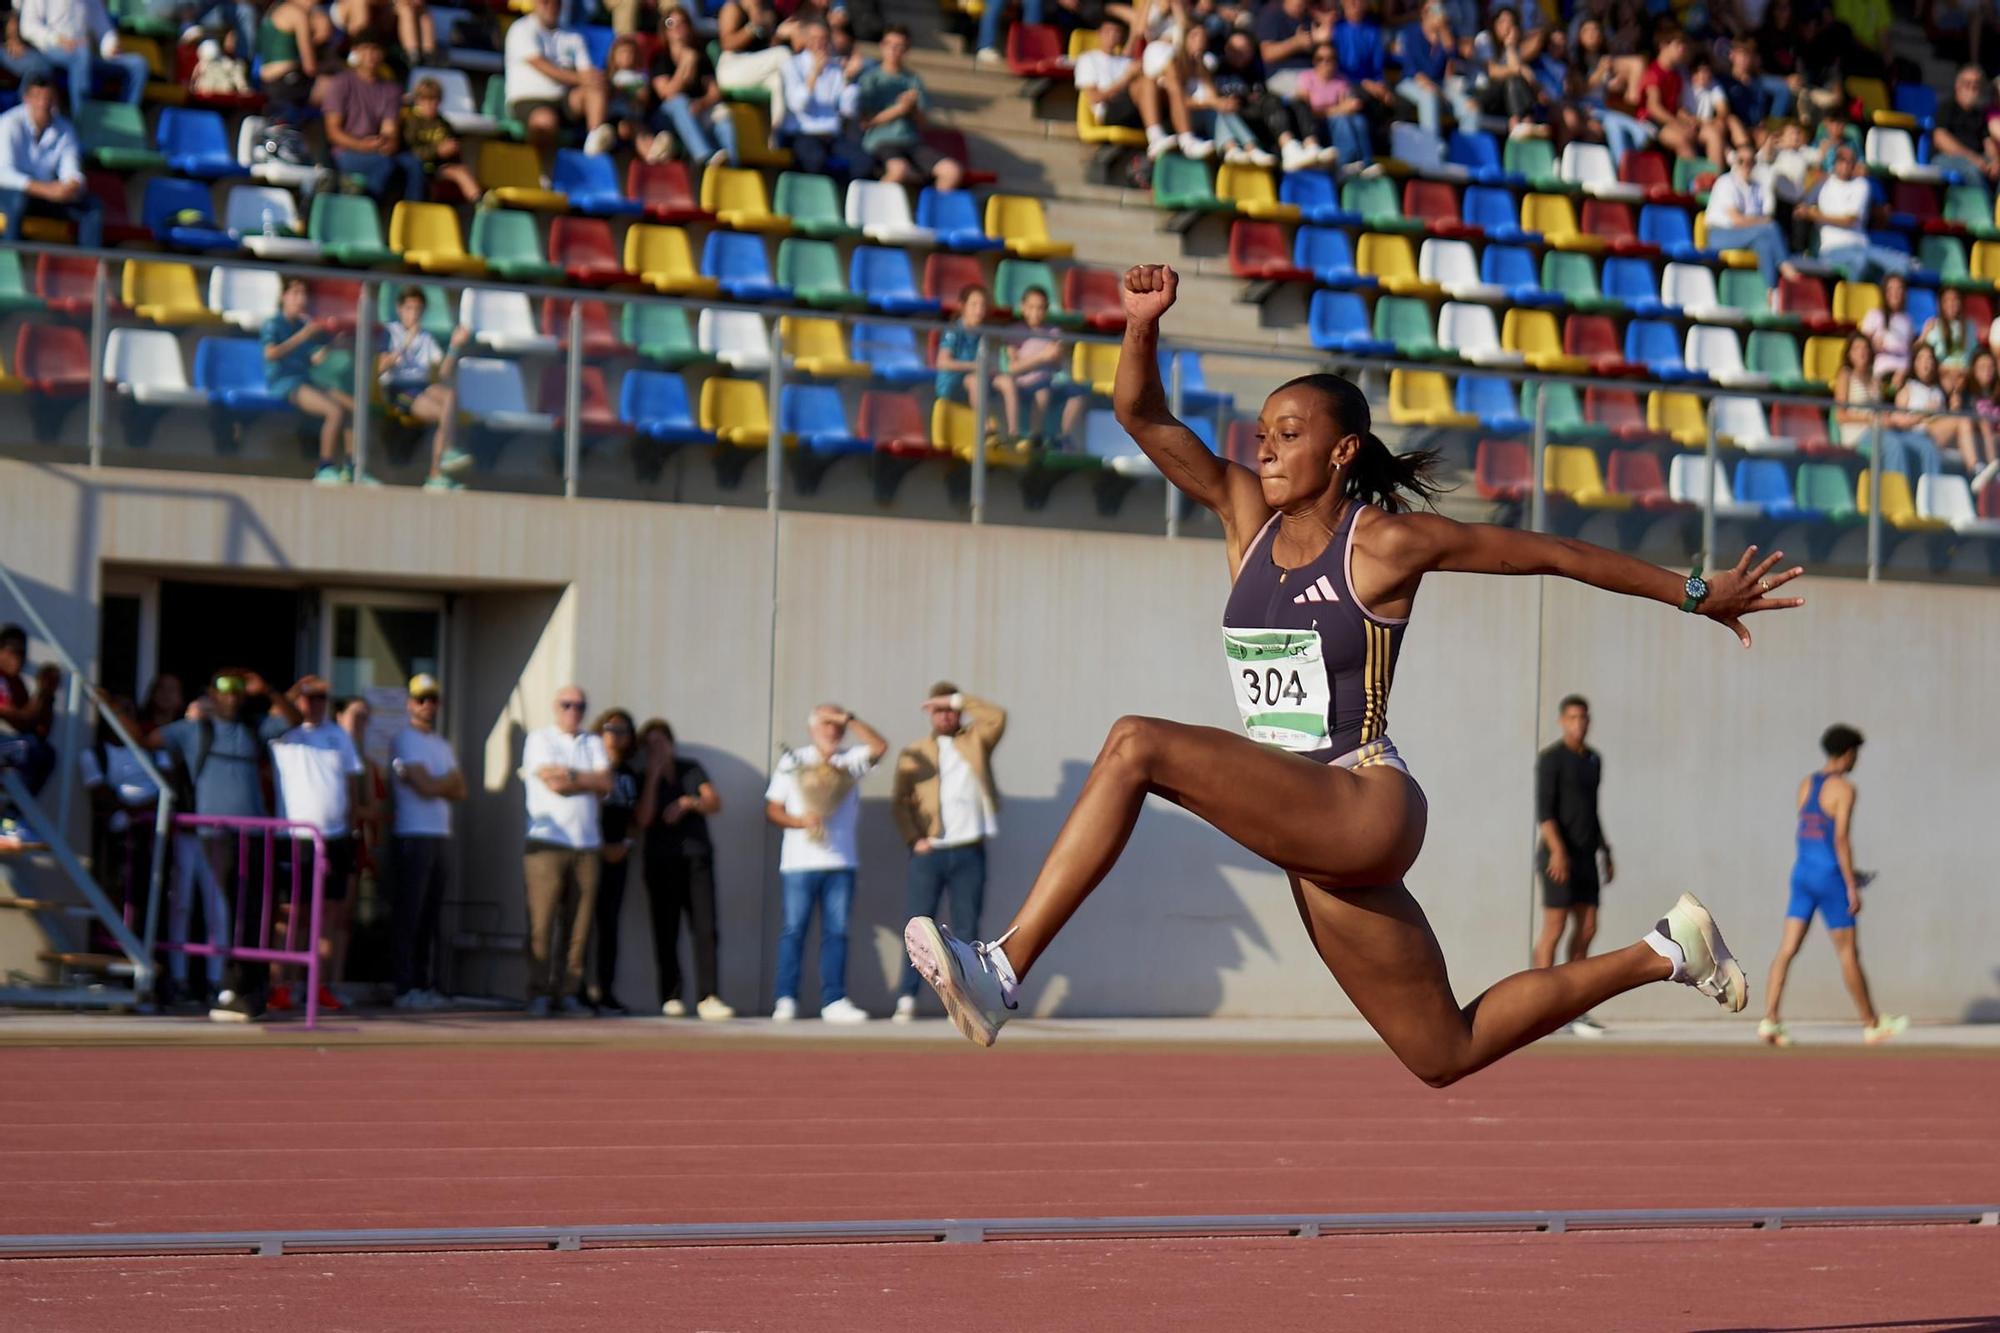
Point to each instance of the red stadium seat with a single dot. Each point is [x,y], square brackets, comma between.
[52,359]
[1804,425]
[1503,470]
[596,412]
[1915,198]
[895,423]
[1636,472]
[952,144]
[1094,293]
[1617,410]
[1612,219]
[1805,296]
[66,285]
[1436,203]
[662,189]
[337,299]
[1595,338]
[1979,309]
[584,248]
[946,275]
[109,187]
[1648,170]
[598,338]
[1258,253]
[1035,51]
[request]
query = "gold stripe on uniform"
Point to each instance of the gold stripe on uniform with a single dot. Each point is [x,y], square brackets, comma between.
[1373,670]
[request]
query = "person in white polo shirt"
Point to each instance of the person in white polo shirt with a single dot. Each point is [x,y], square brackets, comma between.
[815,798]
[566,773]
[319,783]
[425,781]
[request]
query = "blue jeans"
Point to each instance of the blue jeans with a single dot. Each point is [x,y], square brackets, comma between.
[377,168]
[1898,445]
[1761,237]
[32,755]
[699,141]
[956,872]
[1348,135]
[832,891]
[1426,101]
[1854,259]
[1623,132]
[989,22]
[1781,95]
[86,211]
[80,67]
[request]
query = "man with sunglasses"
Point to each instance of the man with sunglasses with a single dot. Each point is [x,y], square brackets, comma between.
[427,782]
[318,773]
[566,773]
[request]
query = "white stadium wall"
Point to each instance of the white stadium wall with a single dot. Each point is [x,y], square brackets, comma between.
[668,610]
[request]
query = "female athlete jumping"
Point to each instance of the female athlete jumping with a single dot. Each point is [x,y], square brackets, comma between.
[1327,562]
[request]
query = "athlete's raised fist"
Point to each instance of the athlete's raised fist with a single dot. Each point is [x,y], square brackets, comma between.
[1150,291]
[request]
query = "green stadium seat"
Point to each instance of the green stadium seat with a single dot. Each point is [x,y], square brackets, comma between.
[1536,160]
[1775,353]
[1824,487]
[510,242]
[1183,185]
[1406,322]
[812,269]
[113,135]
[1012,279]
[660,334]
[813,205]
[1565,412]
[1572,275]
[495,105]
[1380,205]
[1968,204]
[348,228]
[1686,169]
[14,293]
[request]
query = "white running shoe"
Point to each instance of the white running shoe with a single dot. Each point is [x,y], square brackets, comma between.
[906,1009]
[674,1008]
[964,977]
[1261,157]
[1885,1027]
[1706,963]
[1294,156]
[714,1009]
[1586,1026]
[1195,148]
[842,1010]
[1772,1033]
[1159,145]
[785,1010]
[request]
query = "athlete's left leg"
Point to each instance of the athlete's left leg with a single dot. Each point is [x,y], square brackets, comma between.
[1380,948]
[1849,951]
[1781,966]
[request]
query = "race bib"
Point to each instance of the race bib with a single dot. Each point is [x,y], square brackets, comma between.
[1281,686]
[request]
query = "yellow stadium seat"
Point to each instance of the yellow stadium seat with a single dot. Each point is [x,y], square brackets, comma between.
[1986,259]
[1899,507]
[1535,335]
[736,411]
[1555,218]
[753,137]
[1873,95]
[737,198]
[1730,258]
[1081,40]
[955,432]
[1393,264]
[1853,300]
[1423,398]
[8,383]
[1088,128]
[1823,356]
[814,347]
[1571,470]
[512,175]
[164,293]
[1253,191]
[1018,220]
[662,256]
[1678,415]
[428,236]
[1095,365]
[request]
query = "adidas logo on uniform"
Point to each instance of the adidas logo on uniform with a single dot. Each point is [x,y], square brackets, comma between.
[1319,591]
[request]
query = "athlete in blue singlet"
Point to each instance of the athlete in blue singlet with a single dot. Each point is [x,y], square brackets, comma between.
[1824,881]
[1326,558]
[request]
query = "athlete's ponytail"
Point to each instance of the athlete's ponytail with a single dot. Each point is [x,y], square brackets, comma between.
[1396,482]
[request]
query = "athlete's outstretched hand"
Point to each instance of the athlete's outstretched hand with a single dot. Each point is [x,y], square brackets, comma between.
[1150,291]
[1744,590]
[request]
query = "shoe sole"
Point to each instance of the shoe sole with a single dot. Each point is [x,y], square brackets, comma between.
[1735,986]
[935,964]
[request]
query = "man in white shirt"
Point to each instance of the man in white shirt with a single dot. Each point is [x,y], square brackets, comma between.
[41,165]
[1120,94]
[819,102]
[549,76]
[1739,216]
[1841,209]
[947,808]
[815,797]
[77,37]
[425,781]
[566,773]
[319,783]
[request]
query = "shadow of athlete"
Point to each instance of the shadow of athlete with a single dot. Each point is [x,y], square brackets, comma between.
[1327,562]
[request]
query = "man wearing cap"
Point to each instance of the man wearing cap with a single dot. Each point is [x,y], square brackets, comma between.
[426,781]
[319,783]
[566,773]
[41,165]
[947,808]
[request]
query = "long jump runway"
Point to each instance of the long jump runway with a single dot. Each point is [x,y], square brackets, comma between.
[351,1133]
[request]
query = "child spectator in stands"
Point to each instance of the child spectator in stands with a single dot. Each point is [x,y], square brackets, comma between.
[427,136]
[1217,117]
[1709,104]
[1888,330]
[1919,397]
[1501,76]
[1857,396]
[289,41]
[1278,122]
[1663,104]
[1949,333]
[629,106]
[891,103]
[1979,392]
[1033,360]
[1427,55]
[1963,138]
[1334,103]
[1121,94]
[417,381]
[686,97]
[756,47]
[551,80]
[957,359]
[293,345]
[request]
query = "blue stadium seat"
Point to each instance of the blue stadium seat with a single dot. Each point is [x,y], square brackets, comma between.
[1196,396]
[598,39]
[1338,322]
[1493,211]
[1764,481]
[1512,267]
[1314,194]
[1492,400]
[1634,282]
[1656,344]
[1919,100]
[231,370]
[814,415]
[883,275]
[1920,305]
[655,403]
[1479,153]
[736,260]
[891,353]
[1672,230]
[591,182]
[1329,256]
[179,213]
[954,216]
[195,142]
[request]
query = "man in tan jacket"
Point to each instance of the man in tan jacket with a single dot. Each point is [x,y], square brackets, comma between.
[947,808]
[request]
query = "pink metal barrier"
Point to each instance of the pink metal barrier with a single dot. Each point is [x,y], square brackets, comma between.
[308,893]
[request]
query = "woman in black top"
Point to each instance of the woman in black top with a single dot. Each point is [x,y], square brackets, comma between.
[686,95]
[674,805]
[614,824]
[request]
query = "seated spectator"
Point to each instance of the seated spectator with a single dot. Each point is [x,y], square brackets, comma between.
[1963,139]
[289,40]
[1277,122]
[629,105]
[1979,391]
[1949,333]
[1887,329]
[363,125]
[1427,55]
[1503,80]
[891,103]
[410,20]
[1858,399]
[1334,103]
[818,101]
[550,80]
[1588,81]
[1121,94]
[41,166]
[1750,99]
[687,98]
[26,716]
[1663,108]
[1841,212]
[1286,32]
[1920,397]
[293,345]
[1785,163]
[416,379]
[1740,217]
[1214,115]
[1363,54]
[234,22]
[427,136]
[1034,359]
[1709,105]
[756,46]
[958,358]
[76,37]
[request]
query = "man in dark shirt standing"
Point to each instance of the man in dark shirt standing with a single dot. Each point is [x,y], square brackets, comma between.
[1569,837]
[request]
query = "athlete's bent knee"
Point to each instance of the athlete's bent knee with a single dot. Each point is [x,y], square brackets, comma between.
[1133,741]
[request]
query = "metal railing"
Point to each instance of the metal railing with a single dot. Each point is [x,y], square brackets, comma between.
[307,898]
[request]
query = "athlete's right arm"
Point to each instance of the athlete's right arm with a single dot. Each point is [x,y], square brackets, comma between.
[1842,796]
[1229,490]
